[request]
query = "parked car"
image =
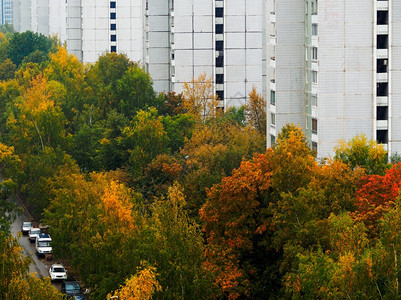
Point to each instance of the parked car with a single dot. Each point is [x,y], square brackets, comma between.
[33,234]
[25,227]
[57,272]
[72,289]
[43,244]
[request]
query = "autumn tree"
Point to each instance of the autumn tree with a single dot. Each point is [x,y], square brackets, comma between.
[199,97]
[359,152]
[377,195]
[140,286]
[256,111]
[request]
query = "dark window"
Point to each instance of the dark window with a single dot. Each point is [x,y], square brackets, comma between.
[273,97]
[113,49]
[112,4]
[113,16]
[314,125]
[219,78]
[220,94]
[219,45]
[314,146]
[382,89]
[219,61]
[272,139]
[219,12]
[382,112]
[382,136]
[382,65]
[382,17]
[219,28]
[113,38]
[382,41]
[113,26]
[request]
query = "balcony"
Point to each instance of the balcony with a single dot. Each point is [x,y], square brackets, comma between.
[273,62]
[272,17]
[382,5]
[382,125]
[273,84]
[382,29]
[382,53]
[382,101]
[381,77]
[273,39]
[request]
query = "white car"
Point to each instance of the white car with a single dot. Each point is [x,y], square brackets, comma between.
[33,234]
[57,272]
[25,227]
[43,245]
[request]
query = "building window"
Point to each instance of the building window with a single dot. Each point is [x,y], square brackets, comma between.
[113,38]
[314,100]
[220,94]
[273,97]
[382,136]
[219,28]
[113,16]
[314,125]
[382,41]
[382,113]
[314,53]
[219,61]
[314,7]
[219,12]
[314,77]
[382,17]
[314,146]
[112,4]
[273,119]
[382,89]
[113,49]
[219,45]
[219,78]
[272,139]
[113,26]
[314,29]
[382,65]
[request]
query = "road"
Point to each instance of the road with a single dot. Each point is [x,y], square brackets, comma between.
[40,266]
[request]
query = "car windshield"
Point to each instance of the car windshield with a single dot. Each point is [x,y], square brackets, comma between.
[58,270]
[72,286]
[44,244]
[27,224]
[35,231]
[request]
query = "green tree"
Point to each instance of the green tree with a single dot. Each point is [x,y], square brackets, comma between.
[359,152]
[23,44]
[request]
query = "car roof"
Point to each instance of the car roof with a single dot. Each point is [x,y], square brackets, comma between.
[44,235]
[26,223]
[57,266]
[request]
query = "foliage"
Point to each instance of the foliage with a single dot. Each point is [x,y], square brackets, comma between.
[199,98]
[23,44]
[256,111]
[15,281]
[359,152]
[139,286]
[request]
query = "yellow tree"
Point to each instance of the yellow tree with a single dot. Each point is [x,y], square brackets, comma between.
[256,111]
[199,97]
[140,286]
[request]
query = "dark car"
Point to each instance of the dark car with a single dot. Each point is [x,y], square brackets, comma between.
[72,289]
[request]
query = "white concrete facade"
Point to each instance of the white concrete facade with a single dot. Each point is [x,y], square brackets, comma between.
[6,12]
[333,72]
[175,40]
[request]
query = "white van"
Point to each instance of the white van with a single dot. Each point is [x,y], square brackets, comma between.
[43,244]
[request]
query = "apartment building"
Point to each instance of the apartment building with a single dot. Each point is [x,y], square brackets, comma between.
[6,12]
[334,72]
[176,40]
